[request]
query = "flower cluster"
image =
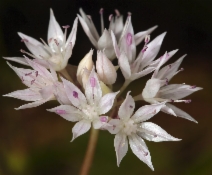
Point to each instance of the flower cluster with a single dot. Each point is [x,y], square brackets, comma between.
[89,99]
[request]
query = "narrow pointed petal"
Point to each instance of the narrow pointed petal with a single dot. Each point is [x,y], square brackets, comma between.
[106,102]
[168,110]
[97,124]
[117,26]
[115,45]
[17,60]
[33,104]
[47,92]
[142,73]
[139,37]
[72,37]
[177,91]
[54,29]
[181,113]
[152,87]
[140,149]
[146,112]
[67,55]
[155,133]
[121,147]
[74,94]
[80,128]
[93,90]
[26,94]
[127,107]
[68,112]
[114,126]
[124,66]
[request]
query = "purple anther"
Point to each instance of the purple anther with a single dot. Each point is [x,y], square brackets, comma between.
[110,17]
[66,27]
[28,74]
[93,82]
[101,11]
[193,87]
[129,39]
[181,69]
[129,13]
[24,40]
[75,94]
[145,153]
[117,12]
[167,81]
[56,42]
[187,101]
[89,17]
[32,82]
[144,49]
[103,119]
[147,38]
[22,51]
[36,73]
[59,111]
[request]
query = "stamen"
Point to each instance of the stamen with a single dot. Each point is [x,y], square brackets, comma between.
[144,49]
[59,111]
[75,94]
[129,13]
[110,17]
[102,20]
[89,17]
[129,39]
[117,12]
[24,40]
[93,82]
[103,119]
[66,27]
[147,39]
[23,51]
[187,101]
[101,11]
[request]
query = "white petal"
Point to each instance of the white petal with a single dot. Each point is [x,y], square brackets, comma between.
[93,90]
[67,55]
[72,37]
[47,92]
[74,94]
[152,87]
[140,149]
[141,35]
[155,133]
[121,146]
[68,112]
[176,91]
[168,110]
[117,26]
[97,124]
[127,107]
[142,73]
[26,94]
[115,45]
[106,102]
[181,113]
[17,60]
[125,66]
[146,112]
[33,104]
[54,29]
[80,128]
[114,126]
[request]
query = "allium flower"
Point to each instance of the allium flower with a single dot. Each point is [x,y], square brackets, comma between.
[157,88]
[105,41]
[134,128]
[57,52]
[43,86]
[86,109]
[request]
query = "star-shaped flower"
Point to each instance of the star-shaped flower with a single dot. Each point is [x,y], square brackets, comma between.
[87,109]
[58,50]
[135,129]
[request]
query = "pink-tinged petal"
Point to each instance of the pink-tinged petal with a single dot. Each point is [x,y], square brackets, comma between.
[115,45]
[17,60]
[152,50]
[121,147]
[93,89]
[125,66]
[140,149]
[74,94]
[80,128]
[142,73]
[114,126]
[72,36]
[162,60]
[54,29]
[152,87]
[106,102]
[141,35]
[87,30]
[177,91]
[68,112]
[146,112]
[26,94]
[168,110]
[127,107]
[170,70]
[105,43]
[101,123]
[67,55]
[47,92]
[181,113]
[155,133]
[117,26]
[33,104]
[34,46]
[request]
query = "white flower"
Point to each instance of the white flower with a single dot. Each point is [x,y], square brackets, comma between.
[157,88]
[86,109]
[57,52]
[43,86]
[134,128]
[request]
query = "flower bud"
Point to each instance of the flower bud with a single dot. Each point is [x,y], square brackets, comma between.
[105,89]
[84,67]
[105,69]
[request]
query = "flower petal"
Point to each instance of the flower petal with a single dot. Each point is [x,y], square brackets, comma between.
[155,133]
[80,128]
[68,112]
[121,146]
[127,107]
[142,73]
[33,104]
[47,92]
[17,60]
[140,149]
[72,37]
[146,112]
[114,126]
[125,66]
[115,45]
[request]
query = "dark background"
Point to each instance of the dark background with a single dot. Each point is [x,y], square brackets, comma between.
[33,141]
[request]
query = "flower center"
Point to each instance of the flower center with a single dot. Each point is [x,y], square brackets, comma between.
[129,127]
[90,112]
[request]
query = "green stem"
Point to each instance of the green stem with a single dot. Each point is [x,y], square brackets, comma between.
[124,86]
